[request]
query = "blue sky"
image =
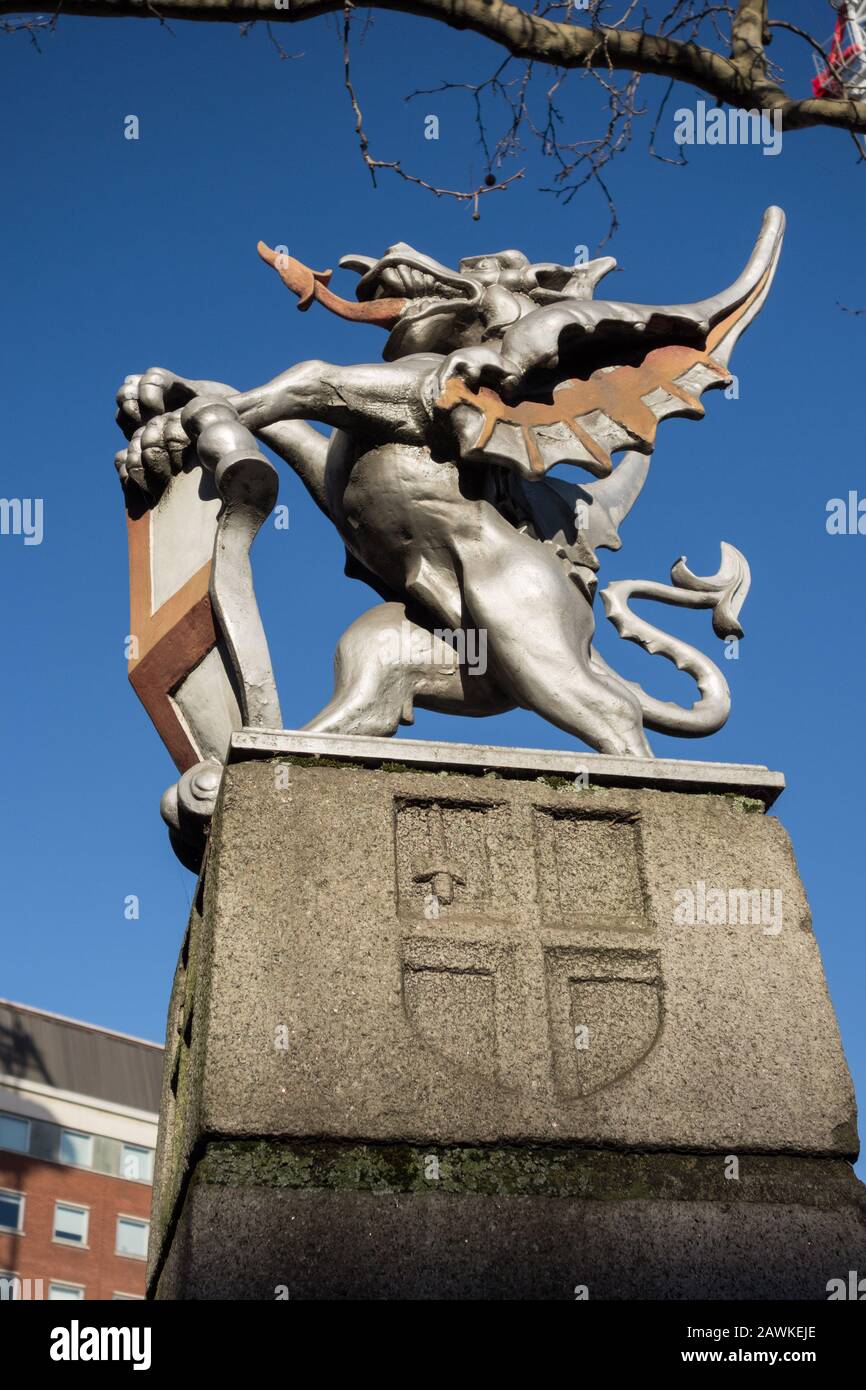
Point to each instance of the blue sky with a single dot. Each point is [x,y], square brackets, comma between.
[119,255]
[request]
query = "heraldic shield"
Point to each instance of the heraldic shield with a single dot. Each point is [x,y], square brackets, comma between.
[198,655]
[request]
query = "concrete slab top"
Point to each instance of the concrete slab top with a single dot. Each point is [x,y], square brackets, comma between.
[665,774]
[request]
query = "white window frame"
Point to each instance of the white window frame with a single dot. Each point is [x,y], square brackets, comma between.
[138,1221]
[19,1229]
[140,1149]
[127,1297]
[22,1119]
[64,1240]
[77,1134]
[64,1284]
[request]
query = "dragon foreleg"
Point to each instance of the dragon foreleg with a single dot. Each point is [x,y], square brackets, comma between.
[723,592]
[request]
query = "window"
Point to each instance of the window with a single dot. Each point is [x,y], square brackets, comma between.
[70,1223]
[14,1133]
[76,1149]
[11,1211]
[129,1297]
[58,1292]
[136,1163]
[132,1236]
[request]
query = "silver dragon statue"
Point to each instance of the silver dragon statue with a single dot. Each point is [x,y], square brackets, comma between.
[436,474]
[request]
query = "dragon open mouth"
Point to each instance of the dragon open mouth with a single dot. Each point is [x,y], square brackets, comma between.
[427,290]
[403,284]
[409,274]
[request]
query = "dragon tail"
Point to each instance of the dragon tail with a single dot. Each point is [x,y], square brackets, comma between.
[723,592]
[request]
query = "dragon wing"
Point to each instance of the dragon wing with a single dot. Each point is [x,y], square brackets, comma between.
[618,406]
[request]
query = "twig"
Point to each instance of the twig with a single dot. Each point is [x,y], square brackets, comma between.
[471,195]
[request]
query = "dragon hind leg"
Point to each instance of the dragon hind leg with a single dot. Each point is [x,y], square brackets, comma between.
[386,663]
[539,627]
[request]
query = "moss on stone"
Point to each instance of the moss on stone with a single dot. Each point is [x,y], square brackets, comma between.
[558,782]
[539,1171]
[555,780]
[749,804]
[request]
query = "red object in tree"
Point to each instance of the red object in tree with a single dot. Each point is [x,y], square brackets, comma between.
[828,82]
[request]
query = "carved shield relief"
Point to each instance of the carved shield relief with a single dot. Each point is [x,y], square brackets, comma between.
[536,969]
[604,1012]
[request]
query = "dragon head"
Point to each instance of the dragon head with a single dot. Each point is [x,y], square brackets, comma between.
[429,307]
[438,307]
[444,309]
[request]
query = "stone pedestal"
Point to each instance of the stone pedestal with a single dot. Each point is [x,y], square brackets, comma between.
[453,1021]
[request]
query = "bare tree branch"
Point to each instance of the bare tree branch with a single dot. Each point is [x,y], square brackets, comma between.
[586,42]
[738,78]
[801,34]
[490,185]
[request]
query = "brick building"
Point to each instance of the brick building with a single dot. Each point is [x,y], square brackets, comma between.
[78,1120]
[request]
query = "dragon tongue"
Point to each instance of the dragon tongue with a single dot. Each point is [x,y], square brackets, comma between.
[310,284]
